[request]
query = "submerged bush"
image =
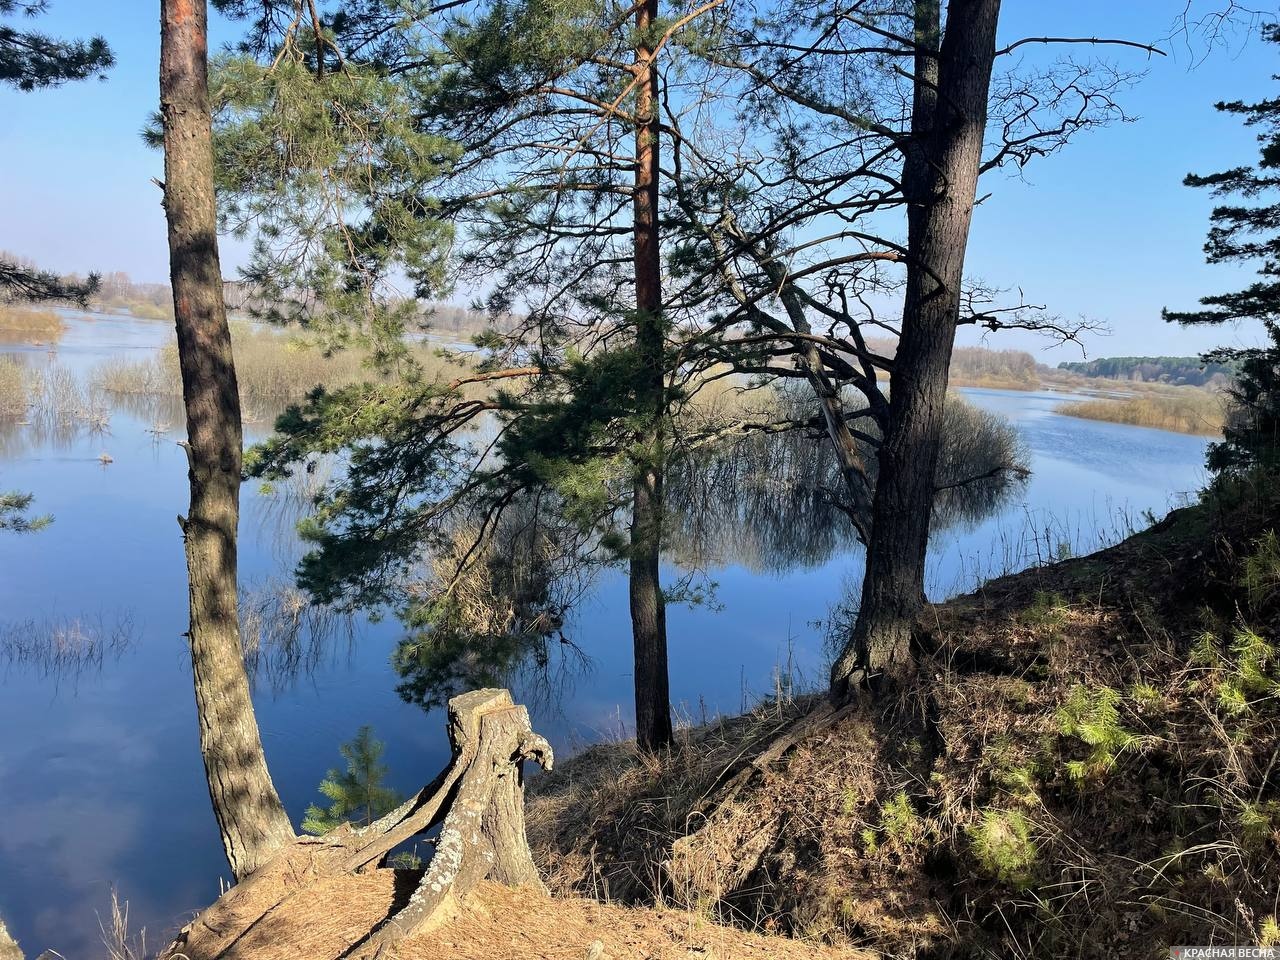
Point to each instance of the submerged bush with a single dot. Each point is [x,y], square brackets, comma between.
[16,387]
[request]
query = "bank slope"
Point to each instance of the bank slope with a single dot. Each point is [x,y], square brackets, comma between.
[1089,755]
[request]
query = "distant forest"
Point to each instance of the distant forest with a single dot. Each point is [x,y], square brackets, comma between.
[117,292]
[983,367]
[1183,370]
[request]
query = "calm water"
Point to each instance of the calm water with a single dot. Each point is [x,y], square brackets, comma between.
[100,775]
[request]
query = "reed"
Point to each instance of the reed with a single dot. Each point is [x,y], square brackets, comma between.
[28,325]
[273,369]
[16,388]
[1181,409]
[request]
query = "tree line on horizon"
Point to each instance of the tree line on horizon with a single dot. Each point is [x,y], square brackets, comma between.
[1193,371]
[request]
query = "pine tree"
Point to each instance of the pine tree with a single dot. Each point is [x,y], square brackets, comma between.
[251,818]
[557,108]
[1247,231]
[357,794]
[19,282]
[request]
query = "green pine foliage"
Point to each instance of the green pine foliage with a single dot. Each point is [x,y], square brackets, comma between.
[357,794]
[1093,716]
[30,60]
[899,820]
[332,174]
[1248,677]
[14,516]
[1002,844]
[1260,576]
[1247,230]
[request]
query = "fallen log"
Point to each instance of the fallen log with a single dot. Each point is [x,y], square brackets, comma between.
[478,801]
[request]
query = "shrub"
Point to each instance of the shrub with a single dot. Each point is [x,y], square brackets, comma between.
[1093,716]
[899,820]
[1003,847]
[1184,409]
[357,794]
[27,324]
[1261,572]
[16,388]
[1248,677]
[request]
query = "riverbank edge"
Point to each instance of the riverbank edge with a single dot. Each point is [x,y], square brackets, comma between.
[1086,746]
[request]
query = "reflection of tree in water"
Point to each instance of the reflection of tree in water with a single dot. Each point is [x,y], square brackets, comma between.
[491,610]
[773,502]
[284,635]
[277,508]
[64,649]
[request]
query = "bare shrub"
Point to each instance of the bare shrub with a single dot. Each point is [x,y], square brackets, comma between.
[17,386]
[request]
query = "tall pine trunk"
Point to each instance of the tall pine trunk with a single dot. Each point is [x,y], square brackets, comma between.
[249,813]
[940,179]
[648,611]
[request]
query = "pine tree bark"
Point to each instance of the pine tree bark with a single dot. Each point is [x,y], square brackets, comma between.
[9,949]
[940,178]
[648,610]
[250,817]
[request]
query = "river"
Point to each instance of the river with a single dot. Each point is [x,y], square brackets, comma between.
[100,776]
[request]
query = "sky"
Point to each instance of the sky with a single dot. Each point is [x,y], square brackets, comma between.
[1104,230]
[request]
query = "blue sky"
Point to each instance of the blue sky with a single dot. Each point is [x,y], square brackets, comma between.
[1103,230]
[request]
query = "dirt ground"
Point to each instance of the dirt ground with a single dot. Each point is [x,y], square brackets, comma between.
[500,923]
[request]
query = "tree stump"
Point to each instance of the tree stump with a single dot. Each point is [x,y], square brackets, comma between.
[9,949]
[479,800]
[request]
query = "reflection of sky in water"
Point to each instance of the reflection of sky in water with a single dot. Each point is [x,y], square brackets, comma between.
[101,783]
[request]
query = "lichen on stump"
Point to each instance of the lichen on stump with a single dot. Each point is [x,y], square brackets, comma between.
[479,801]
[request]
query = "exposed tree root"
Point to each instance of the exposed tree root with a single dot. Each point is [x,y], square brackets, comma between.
[479,798]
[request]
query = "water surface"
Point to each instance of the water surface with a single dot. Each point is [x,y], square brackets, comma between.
[100,775]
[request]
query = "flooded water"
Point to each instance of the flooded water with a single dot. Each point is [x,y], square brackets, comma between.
[100,776]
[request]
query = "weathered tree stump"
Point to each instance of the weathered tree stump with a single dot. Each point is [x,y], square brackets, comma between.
[479,798]
[8,946]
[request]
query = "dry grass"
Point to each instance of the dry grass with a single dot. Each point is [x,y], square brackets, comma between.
[273,370]
[1182,409]
[29,325]
[61,401]
[500,923]
[121,944]
[17,386]
[993,382]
